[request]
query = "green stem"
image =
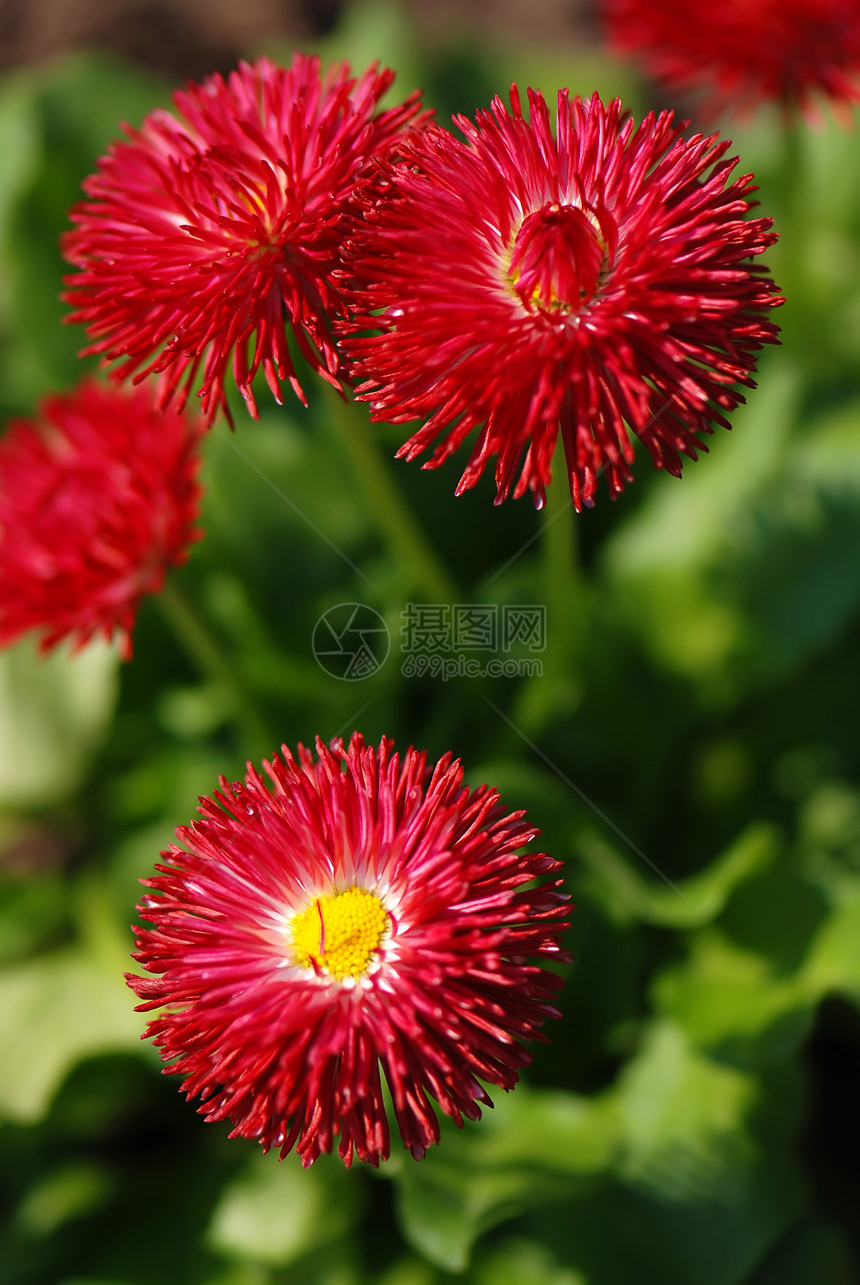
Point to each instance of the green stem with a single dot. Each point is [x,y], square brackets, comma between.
[559,540]
[793,230]
[563,584]
[558,689]
[386,505]
[204,649]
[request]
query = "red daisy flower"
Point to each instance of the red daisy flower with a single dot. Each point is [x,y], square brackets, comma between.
[203,234]
[595,283]
[97,498]
[741,53]
[368,912]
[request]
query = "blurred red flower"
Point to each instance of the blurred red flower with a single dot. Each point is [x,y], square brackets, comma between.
[98,497]
[367,912]
[596,283]
[204,234]
[741,53]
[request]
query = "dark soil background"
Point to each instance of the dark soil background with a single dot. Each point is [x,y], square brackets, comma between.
[188,38]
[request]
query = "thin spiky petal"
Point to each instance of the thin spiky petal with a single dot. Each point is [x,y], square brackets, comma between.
[593,281]
[278,1044]
[98,498]
[741,53]
[208,232]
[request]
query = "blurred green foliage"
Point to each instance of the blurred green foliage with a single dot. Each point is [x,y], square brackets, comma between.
[694,1119]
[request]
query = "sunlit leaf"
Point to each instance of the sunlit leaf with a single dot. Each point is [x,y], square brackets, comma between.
[834,959]
[276,1211]
[523,1262]
[534,1147]
[732,1001]
[53,714]
[703,1186]
[54,1012]
[692,901]
[63,1194]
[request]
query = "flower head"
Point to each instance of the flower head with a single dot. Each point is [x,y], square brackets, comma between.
[98,497]
[368,916]
[208,232]
[595,283]
[741,53]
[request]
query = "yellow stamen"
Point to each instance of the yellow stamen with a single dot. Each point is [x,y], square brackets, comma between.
[339,933]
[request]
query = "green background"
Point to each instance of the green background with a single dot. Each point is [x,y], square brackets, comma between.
[694,1119]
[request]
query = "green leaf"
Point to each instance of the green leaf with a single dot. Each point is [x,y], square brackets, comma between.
[789,564]
[409,1271]
[59,118]
[54,713]
[535,1147]
[812,1251]
[377,31]
[659,562]
[830,819]
[276,1211]
[682,1117]
[523,1262]
[92,1280]
[20,147]
[693,901]
[54,1012]
[730,1000]
[706,893]
[833,963]
[682,523]
[706,1202]
[64,1193]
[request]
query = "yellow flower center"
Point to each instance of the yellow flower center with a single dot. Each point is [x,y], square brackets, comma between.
[339,933]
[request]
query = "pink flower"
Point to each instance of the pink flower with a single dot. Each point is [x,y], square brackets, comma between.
[596,283]
[366,914]
[741,53]
[206,234]
[98,497]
